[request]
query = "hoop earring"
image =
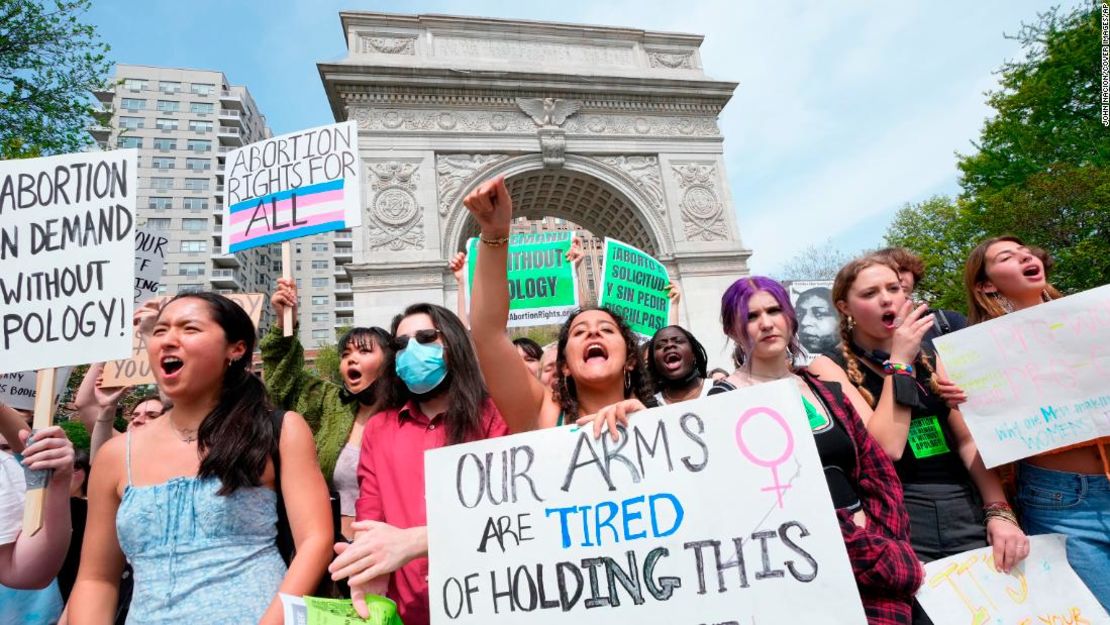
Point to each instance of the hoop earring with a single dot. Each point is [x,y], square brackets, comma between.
[851,323]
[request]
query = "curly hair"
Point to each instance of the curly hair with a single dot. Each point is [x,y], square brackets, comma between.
[701,359]
[635,383]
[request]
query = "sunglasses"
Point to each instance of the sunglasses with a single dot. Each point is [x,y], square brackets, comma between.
[422,336]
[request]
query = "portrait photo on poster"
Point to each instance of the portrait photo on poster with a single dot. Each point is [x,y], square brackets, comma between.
[817,320]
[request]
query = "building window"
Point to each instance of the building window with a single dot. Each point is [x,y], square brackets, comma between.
[196,203]
[165,144]
[318,317]
[134,84]
[169,87]
[200,145]
[196,184]
[202,89]
[319,300]
[169,106]
[319,282]
[202,108]
[129,142]
[193,270]
[200,126]
[158,223]
[320,247]
[198,164]
[163,123]
[319,264]
[133,104]
[162,162]
[161,203]
[194,225]
[157,182]
[131,123]
[321,335]
[194,246]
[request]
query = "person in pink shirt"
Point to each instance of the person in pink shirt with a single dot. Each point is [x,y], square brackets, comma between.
[447,404]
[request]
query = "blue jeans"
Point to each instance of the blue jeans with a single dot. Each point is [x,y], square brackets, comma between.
[1078,506]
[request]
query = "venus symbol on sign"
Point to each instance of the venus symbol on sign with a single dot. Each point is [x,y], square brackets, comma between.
[772,464]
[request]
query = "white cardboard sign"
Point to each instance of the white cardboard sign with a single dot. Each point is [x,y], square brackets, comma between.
[710,511]
[150,256]
[17,389]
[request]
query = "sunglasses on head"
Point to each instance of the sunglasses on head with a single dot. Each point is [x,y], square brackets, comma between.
[422,336]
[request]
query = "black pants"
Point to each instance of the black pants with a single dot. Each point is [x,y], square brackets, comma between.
[945,519]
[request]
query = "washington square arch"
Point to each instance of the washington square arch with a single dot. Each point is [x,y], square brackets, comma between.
[613,129]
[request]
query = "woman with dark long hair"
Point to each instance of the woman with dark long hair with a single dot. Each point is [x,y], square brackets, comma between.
[337,413]
[597,363]
[448,404]
[1065,491]
[189,499]
[677,366]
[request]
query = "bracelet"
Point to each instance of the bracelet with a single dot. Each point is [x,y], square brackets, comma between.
[1005,515]
[997,505]
[493,242]
[897,367]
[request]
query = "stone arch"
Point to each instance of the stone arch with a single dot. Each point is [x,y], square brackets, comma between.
[584,191]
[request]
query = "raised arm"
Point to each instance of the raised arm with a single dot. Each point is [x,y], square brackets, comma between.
[287,380]
[518,395]
[457,265]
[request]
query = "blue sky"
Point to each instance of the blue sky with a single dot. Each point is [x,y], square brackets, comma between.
[845,110]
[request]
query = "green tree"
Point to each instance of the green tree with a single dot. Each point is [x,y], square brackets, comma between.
[1041,172]
[50,63]
[327,363]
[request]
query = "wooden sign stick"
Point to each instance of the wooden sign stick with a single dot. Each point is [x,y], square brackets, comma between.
[44,418]
[287,273]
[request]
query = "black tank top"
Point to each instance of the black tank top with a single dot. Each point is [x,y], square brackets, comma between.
[931,455]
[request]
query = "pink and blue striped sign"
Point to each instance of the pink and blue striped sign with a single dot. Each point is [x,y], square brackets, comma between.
[292,186]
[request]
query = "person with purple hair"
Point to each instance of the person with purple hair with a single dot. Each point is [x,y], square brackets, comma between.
[757,315]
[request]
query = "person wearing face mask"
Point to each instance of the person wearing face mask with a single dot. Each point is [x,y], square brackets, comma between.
[677,365]
[446,404]
[1065,491]
[337,413]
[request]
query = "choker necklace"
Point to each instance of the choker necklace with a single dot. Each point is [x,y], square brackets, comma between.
[764,378]
[187,435]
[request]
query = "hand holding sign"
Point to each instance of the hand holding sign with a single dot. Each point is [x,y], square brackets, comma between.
[49,450]
[492,208]
[285,297]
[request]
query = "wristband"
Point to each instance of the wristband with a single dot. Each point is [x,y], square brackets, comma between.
[890,367]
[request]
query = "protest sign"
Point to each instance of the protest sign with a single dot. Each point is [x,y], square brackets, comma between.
[635,285]
[543,285]
[150,256]
[818,324]
[292,186]
[1043,588]
[711,511]
[17,390]
[67,243]
[136,369]
[321,611]
[1035,379]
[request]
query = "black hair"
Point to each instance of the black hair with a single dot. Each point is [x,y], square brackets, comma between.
[635,382]
[529,347]
[150,397]
[464,386]
[823,292]
[237,439]
[82,461]
[386,389]
[701,359]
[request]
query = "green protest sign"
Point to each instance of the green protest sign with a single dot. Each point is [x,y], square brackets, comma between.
[543,286]
[635,286]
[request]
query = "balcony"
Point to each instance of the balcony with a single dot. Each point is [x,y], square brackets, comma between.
[343,255]
[105,95]
[343,287]
[231,100]
[100,132]
[230,136]
[226,278]
[219,259]
[232,117]
[342,235]
[345,305]
[219,190]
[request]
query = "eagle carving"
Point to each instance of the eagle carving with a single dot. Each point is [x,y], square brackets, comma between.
[548,111]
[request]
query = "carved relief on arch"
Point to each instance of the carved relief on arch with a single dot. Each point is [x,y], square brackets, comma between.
[643,172]
[394,217]
[703,215]
[455,171]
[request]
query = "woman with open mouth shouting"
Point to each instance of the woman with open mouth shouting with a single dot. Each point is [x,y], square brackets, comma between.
[336,413]
[189,499]
[678,366]
[893,385]
[597,363]
[1065,491]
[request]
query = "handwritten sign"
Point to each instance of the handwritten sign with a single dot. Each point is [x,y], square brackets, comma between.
[966,588]
[710,511]
[1035,379]
[635,285]
[67,240]
[543,286]
[293,186]
[136,369]
[150,256]
[17,390]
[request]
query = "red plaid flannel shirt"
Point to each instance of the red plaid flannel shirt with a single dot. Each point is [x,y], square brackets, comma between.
[887,570]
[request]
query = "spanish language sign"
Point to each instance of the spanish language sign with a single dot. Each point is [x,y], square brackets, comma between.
[292,186]
[17,390]
[711,511]
[966,588]
[67,248]
[635,285]
[136,369]
[543,286]
[1035,379]
[150,256]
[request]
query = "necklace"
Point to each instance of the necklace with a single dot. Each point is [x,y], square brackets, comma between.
[671,400]
[766,378]
[187,435]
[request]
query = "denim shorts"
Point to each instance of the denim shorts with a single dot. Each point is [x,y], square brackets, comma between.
[1078,506]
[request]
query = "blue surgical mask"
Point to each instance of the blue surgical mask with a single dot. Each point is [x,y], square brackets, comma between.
[421,366]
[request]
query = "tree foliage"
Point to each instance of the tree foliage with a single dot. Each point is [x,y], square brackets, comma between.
[50,62]
[1042,170]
